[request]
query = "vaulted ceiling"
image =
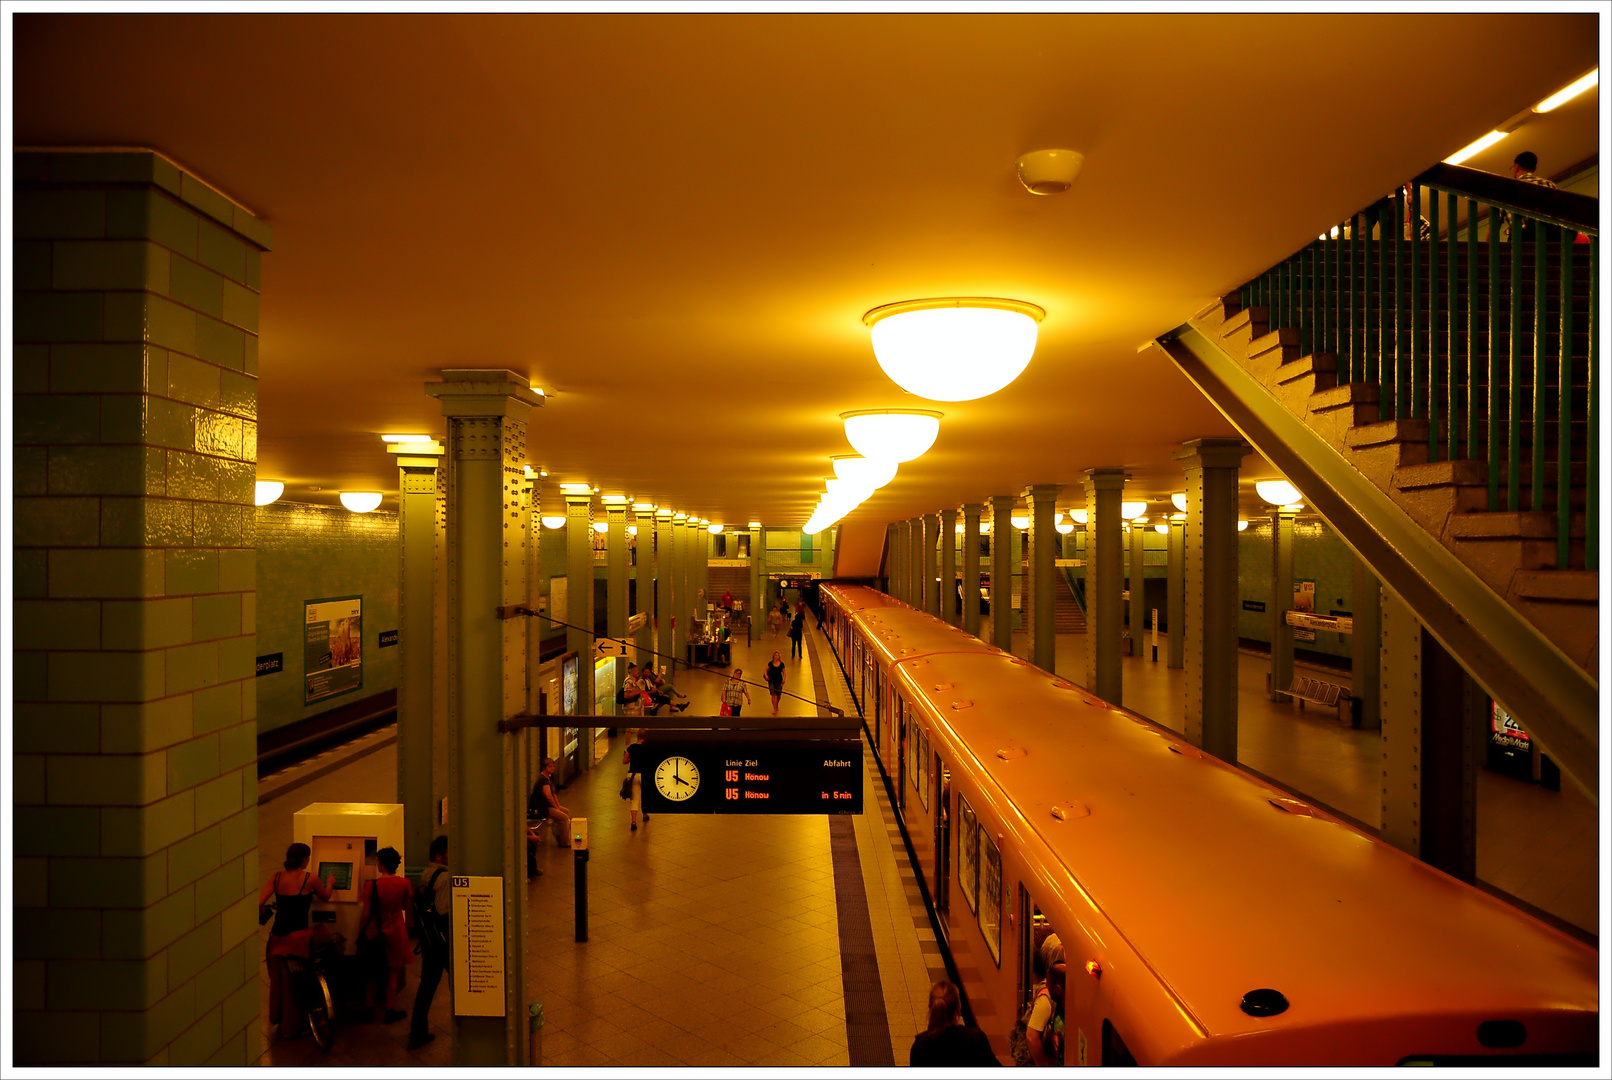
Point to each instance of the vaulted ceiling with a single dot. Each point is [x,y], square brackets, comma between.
[673,223]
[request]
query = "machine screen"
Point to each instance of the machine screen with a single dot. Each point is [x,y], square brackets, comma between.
[343,872]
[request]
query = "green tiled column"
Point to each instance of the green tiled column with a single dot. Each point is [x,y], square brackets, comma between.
[616,566]
[1105,575]
[1210,625]
[1002,556]
[681,606]
[135,777]
[929,536]
[948,565]
[644,574]
[665,608]
[1136,585]
[1281,603]
[1039,568]
[1176,592]
[579,597]
[971,568]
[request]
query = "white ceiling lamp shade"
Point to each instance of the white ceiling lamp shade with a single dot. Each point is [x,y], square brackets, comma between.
[1162,527]
[954,348]
[1020,521]
[267,491]
[1079,516]
[1065,527]
[1050,172]
[895,435]
[553,521]
[1132,510]
[713,528]
[1278,492]
[872,473]
[632,530]
[1179,501]
[361,502]
[601,526]
[1242,524]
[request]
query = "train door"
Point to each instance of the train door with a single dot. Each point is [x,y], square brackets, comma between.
[943,844]
[876,681]
[901,755]
[1033,955]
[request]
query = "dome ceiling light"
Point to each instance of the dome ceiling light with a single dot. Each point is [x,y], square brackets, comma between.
[1020,521]
[1079,516]
[267,491]
[871,473]
[713,528]
[1065,527]
[553,521]
[892,434]
[361,502]
[954,348]
[1050,172]
[1130,510]
[1179,500]
[1278,492]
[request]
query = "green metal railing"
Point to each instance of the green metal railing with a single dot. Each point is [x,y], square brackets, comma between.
[1462,300]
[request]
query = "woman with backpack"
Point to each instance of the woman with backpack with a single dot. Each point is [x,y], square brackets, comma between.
[1038,1036]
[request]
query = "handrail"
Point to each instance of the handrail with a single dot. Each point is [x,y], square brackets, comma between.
[1564,208]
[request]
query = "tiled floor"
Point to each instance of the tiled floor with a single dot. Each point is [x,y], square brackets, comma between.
[1537,845]
[712,940]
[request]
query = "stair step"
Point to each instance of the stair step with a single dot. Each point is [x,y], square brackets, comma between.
[1459,473]
[1248,317]
[1317,364]
[1567,586]
[1338,397]
[1511,525]
[1387,431]
[1284,338]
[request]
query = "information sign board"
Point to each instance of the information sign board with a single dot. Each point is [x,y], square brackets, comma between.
[478,946]
[739,776]
[333,647]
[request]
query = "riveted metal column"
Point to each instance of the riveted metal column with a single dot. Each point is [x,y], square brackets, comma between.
[1002,557]
[698,548]
[680,597]
[416,698]
[758,581]
[1210,621]
[643,571]
[928,539]
[909,558]
[1105,579]
[1176,592]
[971,568]
[616,566]
[665,568]
[948,565]
[1401,690]
[1136,584]
[1281,604]
[1039,568]
[487,413]
[579,601]
[1365,646]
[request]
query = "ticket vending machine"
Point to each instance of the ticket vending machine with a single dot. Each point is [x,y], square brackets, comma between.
[343,839]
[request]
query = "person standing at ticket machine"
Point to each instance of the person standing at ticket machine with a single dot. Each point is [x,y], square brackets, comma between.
[384,939]
[292,890]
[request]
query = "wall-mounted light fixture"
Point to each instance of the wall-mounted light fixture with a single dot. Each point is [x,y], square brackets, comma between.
[267,491]
[553,521]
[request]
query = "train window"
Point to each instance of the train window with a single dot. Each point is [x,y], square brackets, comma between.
[924,766]
[968,853]
[1114,1049]
[990,909]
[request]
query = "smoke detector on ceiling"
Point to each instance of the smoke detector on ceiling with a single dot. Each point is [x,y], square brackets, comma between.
[1050,172]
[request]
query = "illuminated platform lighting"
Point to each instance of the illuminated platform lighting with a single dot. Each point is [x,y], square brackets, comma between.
[1278,492]
[361,502]
[954,348]
[891,434]
[267,491]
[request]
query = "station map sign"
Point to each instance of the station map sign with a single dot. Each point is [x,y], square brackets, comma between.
[817,776]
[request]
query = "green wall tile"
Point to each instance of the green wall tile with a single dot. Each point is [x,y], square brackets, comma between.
[109,264]
[215,892]
[206,199]
[105,779]
[137,729]
[29,576]
[254,229]
[105,984]
[198,1042]
[224,525]
[56,521]
[56,1038]
[135,935]
[192,476]
[154,522]
[193,762]
[218,799]
[237,743]
[48,830]
[192,666]
[239,1010]
[237,658]
[56,728]
[136,418]
[58,624]
[57,215]
[154,215]
[237,394]
[142,831]
[217,707]
[237,570]
[233,1053]
[191,570]
[31,264]
[119,368]
[249,442]
[240,306]
[106,676]
[171,326]
[219,343]
[57,419]
[28,985]
[249,363]
[49,316]
[239,921]
[239,833]
[31,369]
[32,675]
[219,433]
[222,251]
[194,381]
[30,470]
[107,167]
[223,977]
[192,857]
[249,613]
[193,951]
[108,883]
[28,778]
[237,481]
[102,470]
[135,1037]
[196,286]
[49,934]
[146,624]
[254,269]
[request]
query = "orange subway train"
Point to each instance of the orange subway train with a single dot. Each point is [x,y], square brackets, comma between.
[1207,918]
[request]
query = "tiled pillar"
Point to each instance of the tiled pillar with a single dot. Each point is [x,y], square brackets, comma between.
[1039,568]
[1136,583]
[1211,593]
[1365,645]
[909,564]
[928,541]
[665,569]
[615,508]
[643,520]
[1002,559]
[1105,579]
[948,565]
[135,723]
[579,604]
[971,568]
[680,602]
[700,544]
[488,503]
[1176,592]
[1281,603]
[758,581]
[416,609]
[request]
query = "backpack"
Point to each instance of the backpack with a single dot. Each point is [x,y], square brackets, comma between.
[1019,1038]
[426,915]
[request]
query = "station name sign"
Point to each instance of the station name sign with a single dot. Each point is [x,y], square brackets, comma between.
[740,776]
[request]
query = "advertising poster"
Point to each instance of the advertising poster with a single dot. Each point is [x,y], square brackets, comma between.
[1304,600]
[333,649]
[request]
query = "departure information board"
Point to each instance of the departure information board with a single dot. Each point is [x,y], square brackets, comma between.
[819,776]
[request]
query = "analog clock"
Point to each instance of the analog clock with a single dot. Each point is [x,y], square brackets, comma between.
[677,778]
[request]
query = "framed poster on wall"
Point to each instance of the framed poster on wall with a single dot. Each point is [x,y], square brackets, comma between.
[333,647]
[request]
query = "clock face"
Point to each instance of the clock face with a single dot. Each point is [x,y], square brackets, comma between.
[677,778]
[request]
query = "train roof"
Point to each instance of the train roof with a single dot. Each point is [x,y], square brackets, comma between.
[1218,879]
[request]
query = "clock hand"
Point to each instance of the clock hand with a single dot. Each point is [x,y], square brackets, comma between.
[680,780]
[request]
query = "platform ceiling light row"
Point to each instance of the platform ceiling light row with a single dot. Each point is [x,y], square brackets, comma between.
[1555,101]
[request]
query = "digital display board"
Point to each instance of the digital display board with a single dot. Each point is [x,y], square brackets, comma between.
[738,776]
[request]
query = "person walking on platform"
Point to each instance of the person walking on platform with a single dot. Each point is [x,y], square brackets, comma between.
[775,621]
[734,696]
[433,899]
[293,890]
[775,680]
[384,937]
[949,1041]
[797,634]
[636,755]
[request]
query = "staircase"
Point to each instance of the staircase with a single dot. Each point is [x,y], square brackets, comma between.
[1068,616]
[734,579]
[1479,451]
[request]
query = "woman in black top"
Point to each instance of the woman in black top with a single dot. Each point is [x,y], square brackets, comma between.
[797,631]
[294,889]
[775,679]
[949,1042]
